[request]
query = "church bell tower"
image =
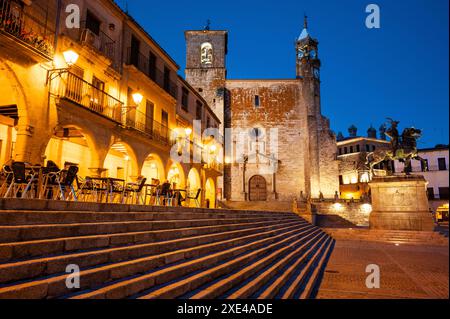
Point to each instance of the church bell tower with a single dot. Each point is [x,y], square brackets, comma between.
[307,56]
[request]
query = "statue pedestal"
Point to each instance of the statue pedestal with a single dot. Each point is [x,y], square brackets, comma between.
[400,203]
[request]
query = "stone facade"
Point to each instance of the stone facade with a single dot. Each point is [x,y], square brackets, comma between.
[400,203]
[277,143]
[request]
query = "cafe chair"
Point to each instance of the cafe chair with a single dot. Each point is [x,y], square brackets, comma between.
[133,191]
[115,190]
[195,198]
[21,182]
[66,184]
[6,177]
[51,175]
[86,189]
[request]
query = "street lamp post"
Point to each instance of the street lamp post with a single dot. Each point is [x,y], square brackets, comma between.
[70,57]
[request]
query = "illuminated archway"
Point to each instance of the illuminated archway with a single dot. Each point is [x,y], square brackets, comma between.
[193,184]
[153,168]
[175,174]
[70,145]
[210,193]
[121,162]
[14,108]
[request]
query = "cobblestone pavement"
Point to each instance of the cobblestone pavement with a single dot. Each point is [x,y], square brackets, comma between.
[406,271]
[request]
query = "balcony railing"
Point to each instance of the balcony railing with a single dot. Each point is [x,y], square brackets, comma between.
[214,165]
[102,43]
[142,63]
[148,126]
[28,25]
[78,91]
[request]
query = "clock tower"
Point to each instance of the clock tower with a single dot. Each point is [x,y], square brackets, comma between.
[307,57]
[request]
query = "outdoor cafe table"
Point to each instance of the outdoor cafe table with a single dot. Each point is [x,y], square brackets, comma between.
[107,185]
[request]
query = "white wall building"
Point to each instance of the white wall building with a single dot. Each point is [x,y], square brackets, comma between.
[436,173]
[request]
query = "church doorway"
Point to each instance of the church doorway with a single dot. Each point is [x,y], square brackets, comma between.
[257,189]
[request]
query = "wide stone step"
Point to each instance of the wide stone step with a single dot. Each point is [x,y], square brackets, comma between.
[220,287]
[15,218]
[20,250]
[304,279]
[278,273]
[30,268]
[35,232]
[317,270]
[182,287]
[138,285]
[55,286]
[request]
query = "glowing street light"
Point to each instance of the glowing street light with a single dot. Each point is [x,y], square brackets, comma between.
[71,57]
[137,98]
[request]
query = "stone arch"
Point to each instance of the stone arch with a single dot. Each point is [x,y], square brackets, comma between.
[210,193]
[16,95]
[193,183]
[78,147]
[153,167]
[121,161]
[175,173]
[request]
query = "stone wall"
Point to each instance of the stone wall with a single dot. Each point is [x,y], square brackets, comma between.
[357,213]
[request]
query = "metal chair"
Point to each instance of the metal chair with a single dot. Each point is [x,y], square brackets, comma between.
[52,175]
[6,177]
[134,190]
[196,197]
[21,182]
[85,188]
[66,185]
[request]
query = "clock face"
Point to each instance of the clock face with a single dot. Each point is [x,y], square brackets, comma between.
[317,73]
[300,54]
[312,54]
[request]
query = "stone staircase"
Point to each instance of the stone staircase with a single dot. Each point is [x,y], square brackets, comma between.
[171,253]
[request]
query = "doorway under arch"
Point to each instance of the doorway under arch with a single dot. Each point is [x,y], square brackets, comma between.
[121,162]
[153,168]
[175,174]
[70,145]
[257,189]
[193,183]
[210,193]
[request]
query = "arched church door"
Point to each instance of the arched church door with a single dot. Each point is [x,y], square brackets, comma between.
[257,188]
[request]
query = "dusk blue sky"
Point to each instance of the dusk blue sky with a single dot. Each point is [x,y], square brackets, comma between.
[398,71]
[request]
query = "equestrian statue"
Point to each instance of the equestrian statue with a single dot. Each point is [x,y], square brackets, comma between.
[402,148]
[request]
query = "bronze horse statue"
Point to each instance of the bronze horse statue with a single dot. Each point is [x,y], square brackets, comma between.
[403,150]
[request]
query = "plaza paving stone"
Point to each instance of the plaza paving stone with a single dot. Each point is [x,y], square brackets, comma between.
[406,271]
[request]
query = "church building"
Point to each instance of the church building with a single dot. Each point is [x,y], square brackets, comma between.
[278,144]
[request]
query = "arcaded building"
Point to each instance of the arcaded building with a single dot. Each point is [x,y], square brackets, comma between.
[277,142]
[101,95]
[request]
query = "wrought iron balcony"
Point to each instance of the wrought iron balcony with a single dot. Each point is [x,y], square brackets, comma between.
[74,89]
[30,26]
[142,63]
[148,126]
[214,165]
[100,42]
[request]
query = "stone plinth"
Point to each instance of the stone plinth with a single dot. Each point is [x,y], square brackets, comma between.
[400,203]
